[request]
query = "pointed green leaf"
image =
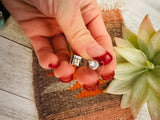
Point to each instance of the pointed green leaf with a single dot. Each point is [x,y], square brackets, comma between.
[139,95]
[127,71]
[154,106]
[154,46]
[146,31]
[120,59]
[154,82]
[155,41]
[128,74]
[123,43]
[157,71]
[127,67]
[134,56]
[130,36]
[119,86]
[126,98]
[156,59]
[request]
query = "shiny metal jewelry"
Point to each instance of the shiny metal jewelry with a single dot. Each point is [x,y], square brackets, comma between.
[79,61]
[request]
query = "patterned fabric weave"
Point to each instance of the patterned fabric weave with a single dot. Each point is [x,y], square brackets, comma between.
[55,101]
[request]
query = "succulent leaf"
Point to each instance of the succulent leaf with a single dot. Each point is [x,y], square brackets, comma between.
[156,59]
[154,46]
[126,98]
[146,31]
[154,82]
[154,106]
[119,87]
[157,71]
[128,74]
[127,71]
[139,95]
[124,67]
[137,75]
[130,36]
[134,56]
[120,59]
[123,43]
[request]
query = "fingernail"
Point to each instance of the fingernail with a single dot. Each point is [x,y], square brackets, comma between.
[52,66]
[91,87]
[66,79]
[104,59]
[94,50]
[108,77]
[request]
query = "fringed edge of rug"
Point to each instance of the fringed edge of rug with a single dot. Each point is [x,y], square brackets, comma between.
[112,4]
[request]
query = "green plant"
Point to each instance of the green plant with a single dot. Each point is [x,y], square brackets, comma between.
[137,76]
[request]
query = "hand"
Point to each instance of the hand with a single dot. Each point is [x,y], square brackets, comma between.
[50,23]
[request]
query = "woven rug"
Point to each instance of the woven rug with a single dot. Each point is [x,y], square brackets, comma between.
[55,101]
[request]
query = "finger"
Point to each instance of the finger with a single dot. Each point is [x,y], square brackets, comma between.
[47,58]
[39,30]
[100,34]
[86,76]
[94,22]
[76,32]
[65,70]
[98,31]
[107,71]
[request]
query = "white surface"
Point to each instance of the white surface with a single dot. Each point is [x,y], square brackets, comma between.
[16,90]
[15,68]
[13,107]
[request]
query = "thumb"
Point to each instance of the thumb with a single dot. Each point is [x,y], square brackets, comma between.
[78,36]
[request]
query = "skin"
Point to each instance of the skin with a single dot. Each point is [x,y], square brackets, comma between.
[50,23]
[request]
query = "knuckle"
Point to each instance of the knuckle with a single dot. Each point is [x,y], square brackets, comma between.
[79,40]
[79,35]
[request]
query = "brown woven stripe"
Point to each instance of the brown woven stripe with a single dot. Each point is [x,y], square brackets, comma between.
[113,21]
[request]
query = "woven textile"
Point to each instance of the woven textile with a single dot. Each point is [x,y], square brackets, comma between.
[55,101]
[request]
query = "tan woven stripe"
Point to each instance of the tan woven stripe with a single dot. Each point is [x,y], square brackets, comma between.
[115,113]
[104,111]
[112,15]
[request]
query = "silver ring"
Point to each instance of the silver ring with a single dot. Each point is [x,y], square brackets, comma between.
[79,61]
